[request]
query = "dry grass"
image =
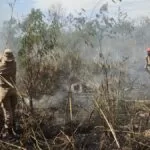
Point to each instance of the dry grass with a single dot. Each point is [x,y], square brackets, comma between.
[37,131]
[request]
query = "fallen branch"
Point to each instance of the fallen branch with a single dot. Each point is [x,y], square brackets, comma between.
[12,145]
[109,124]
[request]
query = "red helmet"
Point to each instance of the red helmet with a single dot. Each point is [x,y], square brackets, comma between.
[148,49]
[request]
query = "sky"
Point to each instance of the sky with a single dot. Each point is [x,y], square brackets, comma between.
[134,8]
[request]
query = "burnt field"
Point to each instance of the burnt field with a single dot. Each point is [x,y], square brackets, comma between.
[81,80]
[75,128]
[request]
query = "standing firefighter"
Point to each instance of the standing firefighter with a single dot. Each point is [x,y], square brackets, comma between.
[147,66]
[8,95]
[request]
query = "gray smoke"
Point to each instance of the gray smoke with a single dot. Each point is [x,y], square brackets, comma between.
[4,15]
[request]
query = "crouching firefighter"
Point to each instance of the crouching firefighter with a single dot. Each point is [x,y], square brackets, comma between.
[8,94]
[147,66]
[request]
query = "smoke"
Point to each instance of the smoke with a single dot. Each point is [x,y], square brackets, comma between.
[4,15]
[4,11]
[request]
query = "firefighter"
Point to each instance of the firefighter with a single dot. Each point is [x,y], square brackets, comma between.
[8,94]
[147,66]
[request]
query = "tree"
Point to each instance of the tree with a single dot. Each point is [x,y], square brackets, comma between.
[34,47]
[123,27]
[95,30]
[55,21]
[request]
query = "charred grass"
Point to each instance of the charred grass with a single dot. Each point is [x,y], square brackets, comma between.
[40,130]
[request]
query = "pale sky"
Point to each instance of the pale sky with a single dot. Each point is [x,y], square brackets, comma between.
[134,8]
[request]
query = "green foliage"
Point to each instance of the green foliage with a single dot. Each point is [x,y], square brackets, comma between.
[37,40]
[33,31]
